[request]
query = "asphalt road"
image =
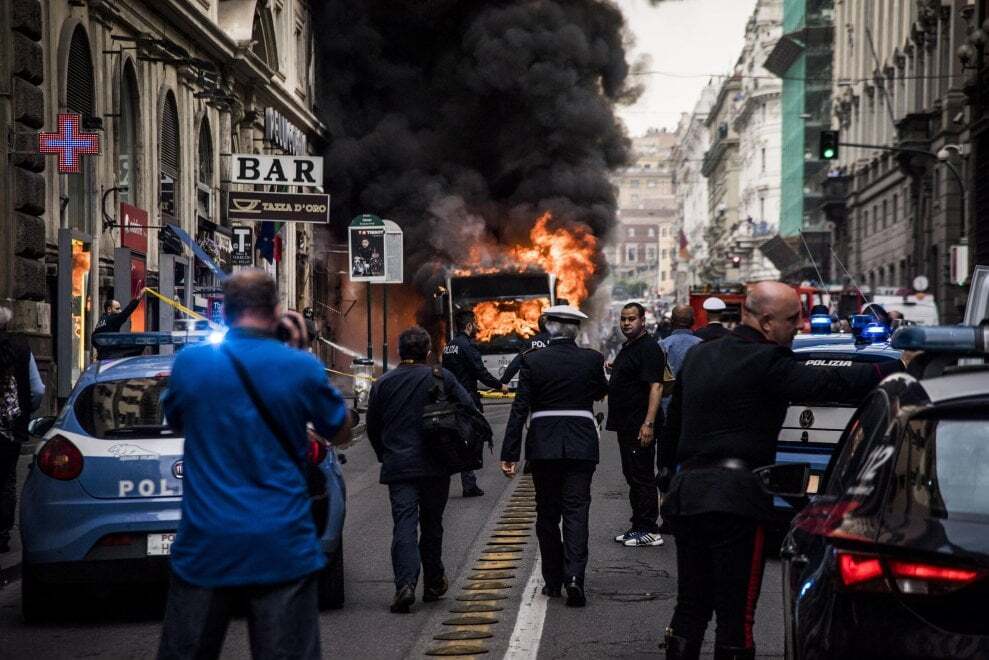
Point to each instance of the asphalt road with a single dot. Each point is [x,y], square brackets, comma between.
[630,590]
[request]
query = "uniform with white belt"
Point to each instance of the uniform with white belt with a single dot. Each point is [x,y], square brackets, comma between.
[558,385]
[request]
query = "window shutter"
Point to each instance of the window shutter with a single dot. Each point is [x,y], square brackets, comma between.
[170,137]
[205,154]
[79,77]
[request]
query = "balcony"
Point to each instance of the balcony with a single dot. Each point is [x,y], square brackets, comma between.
[714,155]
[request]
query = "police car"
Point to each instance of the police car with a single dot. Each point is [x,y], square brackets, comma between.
[810,431]
[101,503]
[891,557]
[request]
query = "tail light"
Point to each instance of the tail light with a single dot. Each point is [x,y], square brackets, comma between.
[869,572]
[60,459]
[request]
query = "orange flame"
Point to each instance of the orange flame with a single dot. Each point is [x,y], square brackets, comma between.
[505,317]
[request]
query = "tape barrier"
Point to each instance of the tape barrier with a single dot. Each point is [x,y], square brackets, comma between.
[179,306]
[354,376]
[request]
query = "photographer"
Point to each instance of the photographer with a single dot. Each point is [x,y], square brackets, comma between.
[247,533]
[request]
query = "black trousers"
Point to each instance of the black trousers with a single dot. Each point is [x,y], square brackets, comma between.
[282,620]
[639,468]
[417,534]
[720,561]
[563,492]
[10,454]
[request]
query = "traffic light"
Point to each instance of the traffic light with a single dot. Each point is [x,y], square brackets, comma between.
[829,145]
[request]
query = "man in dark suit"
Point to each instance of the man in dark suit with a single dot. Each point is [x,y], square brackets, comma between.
[728,407]
[559,385]
[715,329]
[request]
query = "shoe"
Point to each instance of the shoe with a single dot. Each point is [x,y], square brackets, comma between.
[473,492]
[404,598]
[624,536]
[680,648]
[433,592]
[552,592]
[575,594]
[644,538]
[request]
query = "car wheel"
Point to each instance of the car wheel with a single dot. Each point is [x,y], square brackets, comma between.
[331,591]
[38,600]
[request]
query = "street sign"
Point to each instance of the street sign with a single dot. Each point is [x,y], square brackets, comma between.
[367,249]
[277,170]
[394,253]
[242,253]
[69,143]
[254,206]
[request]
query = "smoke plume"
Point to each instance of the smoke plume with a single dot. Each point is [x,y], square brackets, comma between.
[464,120]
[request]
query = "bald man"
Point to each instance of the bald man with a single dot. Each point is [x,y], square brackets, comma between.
[728,407]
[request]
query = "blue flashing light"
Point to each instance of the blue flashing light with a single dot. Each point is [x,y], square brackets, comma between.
[216,337]
[876,333]
[820,324]
[955,339]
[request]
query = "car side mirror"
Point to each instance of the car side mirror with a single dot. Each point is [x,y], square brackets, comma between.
[39,426]
[785,479]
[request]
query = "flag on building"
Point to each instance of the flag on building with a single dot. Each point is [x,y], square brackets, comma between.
[684,253]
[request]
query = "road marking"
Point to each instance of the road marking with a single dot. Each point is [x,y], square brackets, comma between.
[528,631]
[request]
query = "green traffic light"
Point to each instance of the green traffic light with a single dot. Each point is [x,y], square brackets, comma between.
[828,154]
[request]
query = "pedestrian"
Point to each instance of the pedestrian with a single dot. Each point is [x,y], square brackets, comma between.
[462,358]
[418,485]
[558,385]
[715,329]
[681,339]
[21,391]
[538,340]
[634,394]
[112,320]
[727,411]
[247,534]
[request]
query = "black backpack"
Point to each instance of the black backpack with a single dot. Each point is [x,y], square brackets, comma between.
[454,433]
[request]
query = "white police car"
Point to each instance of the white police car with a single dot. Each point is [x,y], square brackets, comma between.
[101,503]
[811,430]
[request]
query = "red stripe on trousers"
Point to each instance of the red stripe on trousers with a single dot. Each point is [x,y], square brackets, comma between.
[755,585]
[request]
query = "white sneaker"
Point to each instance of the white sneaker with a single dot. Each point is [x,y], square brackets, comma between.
[624,536]
[643,538]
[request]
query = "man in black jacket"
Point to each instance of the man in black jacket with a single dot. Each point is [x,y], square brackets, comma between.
[727,410]
[417,484]
[113,320]
[559,385]
[464,361]
[715,329]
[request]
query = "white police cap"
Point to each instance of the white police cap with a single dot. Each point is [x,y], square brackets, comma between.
[565,313]
[713,304]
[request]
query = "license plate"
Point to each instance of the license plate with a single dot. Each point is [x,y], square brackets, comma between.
[160,544]
[813,483]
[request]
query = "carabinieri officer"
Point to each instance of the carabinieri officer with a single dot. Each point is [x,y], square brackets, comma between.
[559,385]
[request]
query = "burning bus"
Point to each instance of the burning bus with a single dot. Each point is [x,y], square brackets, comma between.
[507,306]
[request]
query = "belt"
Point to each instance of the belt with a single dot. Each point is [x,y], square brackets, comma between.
[564,413]
[728,463]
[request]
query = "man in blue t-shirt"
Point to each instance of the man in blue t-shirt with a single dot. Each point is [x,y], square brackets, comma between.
[247,533]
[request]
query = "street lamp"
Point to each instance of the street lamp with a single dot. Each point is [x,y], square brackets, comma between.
[944,156]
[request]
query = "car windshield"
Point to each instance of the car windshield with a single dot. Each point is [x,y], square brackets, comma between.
[128,407]
[952,470]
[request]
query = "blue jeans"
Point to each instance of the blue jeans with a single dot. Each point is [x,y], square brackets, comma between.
[417,536]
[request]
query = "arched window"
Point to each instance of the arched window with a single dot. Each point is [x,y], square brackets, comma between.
[204,179]
[80,98]
[127,136]
[263,38]
[168,158]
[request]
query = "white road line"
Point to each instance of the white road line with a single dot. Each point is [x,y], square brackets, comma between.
[528,631]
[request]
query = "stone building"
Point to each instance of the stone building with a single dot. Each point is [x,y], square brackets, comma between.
[973,54]
[898,85]
[643,246]
[172,88]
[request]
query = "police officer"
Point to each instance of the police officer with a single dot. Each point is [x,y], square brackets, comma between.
[463,360]
[715,329]
[559,385]
[726,414]
[539,340]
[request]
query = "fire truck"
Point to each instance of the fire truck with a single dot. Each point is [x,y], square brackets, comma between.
[507,306]
[846,302]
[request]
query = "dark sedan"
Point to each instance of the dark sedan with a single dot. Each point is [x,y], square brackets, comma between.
[891,557]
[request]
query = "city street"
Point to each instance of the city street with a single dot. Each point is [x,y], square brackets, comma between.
[630,591]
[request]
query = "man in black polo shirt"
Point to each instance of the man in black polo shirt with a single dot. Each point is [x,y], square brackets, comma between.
[634,394]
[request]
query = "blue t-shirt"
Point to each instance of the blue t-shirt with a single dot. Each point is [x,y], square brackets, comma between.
[245,506]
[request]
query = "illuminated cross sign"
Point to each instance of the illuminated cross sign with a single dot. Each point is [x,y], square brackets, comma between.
[69,143]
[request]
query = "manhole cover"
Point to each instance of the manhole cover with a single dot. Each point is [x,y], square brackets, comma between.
[457,648]
[481,595]
[473,608]
[463,634]
[496,565]
[471,620]
[487,584]
[492,575]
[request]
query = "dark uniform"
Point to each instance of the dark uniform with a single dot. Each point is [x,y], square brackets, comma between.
[113,323]
[559,385]
[463,360]
[726,414]
[712,331]
[539,340]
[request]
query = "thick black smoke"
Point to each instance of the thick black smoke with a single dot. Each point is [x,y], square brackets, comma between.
[463,121]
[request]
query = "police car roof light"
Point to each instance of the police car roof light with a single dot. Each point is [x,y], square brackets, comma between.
[876,332]
[820,324]
[155,338]
[956,339]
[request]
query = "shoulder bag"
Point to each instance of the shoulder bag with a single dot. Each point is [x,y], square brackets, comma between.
[454,433]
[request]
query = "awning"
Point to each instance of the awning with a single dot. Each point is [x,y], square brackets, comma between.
[198,251]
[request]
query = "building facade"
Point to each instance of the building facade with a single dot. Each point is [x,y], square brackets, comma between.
[643,246]
[172,88]
[898,87]
[973,54]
